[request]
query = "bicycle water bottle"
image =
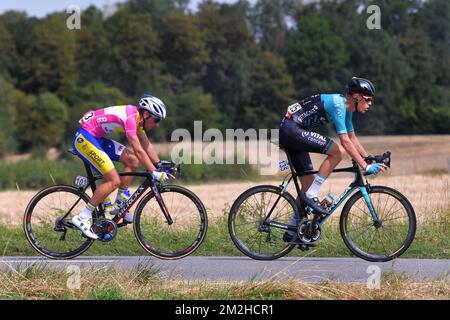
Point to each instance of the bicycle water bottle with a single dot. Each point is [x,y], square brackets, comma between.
[327,201]
[125,195]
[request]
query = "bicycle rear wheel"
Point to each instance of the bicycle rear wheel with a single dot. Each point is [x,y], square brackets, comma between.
[378,241]
[175,241]
[47,222]
[246,215]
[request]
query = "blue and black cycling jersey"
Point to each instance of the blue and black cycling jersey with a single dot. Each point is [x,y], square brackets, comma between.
[296,135]
[320,109]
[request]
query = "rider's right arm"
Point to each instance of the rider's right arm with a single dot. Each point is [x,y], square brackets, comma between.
[347,144]
[140,153]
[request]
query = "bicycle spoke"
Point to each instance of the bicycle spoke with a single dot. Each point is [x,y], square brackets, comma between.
[52,204]
[250,213]
[378,241]
[180,238]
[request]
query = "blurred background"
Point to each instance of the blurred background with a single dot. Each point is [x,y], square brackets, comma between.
[231,64]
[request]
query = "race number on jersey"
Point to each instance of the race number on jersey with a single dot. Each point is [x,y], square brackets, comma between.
[86,117]
[293,109]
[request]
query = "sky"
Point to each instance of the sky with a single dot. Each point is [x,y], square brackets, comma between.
[41,8]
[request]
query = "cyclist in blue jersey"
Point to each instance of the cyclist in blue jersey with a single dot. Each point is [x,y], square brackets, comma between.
[297,137]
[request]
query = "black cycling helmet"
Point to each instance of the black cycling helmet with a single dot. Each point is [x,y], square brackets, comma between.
[361,85]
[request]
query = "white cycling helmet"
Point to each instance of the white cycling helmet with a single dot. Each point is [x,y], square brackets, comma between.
[153,105]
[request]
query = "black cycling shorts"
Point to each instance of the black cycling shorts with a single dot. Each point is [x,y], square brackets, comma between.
[299,141]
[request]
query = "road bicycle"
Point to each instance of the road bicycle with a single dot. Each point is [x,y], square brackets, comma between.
[170,221]
[377,223]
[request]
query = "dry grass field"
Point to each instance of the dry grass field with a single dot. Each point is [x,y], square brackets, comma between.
[145,284]
[419,171]
[429,195]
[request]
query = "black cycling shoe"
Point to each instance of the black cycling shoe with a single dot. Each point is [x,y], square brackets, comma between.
[313,203]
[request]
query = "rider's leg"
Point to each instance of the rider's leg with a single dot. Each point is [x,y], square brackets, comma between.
[95,151]
[82,220]
[112,179]
[335,155]
[131,163]
[301,162]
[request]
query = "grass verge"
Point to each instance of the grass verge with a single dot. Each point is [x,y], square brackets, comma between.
[36,282]
[431,241]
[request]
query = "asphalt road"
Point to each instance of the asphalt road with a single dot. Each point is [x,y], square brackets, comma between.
[307,269]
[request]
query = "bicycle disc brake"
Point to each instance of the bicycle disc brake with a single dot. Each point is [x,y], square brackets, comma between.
[105,229]
[308,233]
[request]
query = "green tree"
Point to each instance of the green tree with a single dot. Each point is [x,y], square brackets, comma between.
[50,60]
[228,40]
[377,56]
[8,54]
[270,20]
[132,60]
[195,105]
[435,19]
[7,118]
[156,9]
[92,48]
[415,45]
[272,90]
[316,56]
[183,49]
[41,121]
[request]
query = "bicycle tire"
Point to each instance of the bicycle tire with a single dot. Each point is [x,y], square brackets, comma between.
[399,229]
[181,238]
[37,241]
[241,239]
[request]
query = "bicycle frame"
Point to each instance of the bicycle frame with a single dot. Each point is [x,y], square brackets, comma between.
[358,183]
[148,183]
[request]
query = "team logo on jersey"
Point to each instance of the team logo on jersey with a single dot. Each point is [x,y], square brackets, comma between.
[340,108]
[317,136]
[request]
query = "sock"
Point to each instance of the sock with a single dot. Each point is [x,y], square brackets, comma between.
[314,189]
[122,195]
[87,211]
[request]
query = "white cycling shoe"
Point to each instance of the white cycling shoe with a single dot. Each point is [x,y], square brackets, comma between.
[84,226]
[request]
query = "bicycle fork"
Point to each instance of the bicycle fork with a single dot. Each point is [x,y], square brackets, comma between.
[161,204]
[368,201]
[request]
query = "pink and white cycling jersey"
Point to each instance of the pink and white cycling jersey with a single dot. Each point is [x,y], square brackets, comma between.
[115,119]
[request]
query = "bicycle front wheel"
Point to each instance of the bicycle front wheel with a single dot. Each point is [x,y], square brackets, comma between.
[248,212]
[47,222]
[381,240]
[175,241]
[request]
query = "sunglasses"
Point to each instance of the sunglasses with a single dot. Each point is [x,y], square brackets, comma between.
[368,99]
[156,119]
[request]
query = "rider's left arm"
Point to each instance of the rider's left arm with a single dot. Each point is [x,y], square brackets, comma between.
[357,144]
[148,147]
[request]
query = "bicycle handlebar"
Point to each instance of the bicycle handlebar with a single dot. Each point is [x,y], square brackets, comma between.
[385,158]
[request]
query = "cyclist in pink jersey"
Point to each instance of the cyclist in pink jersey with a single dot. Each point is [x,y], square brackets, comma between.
[100,152]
